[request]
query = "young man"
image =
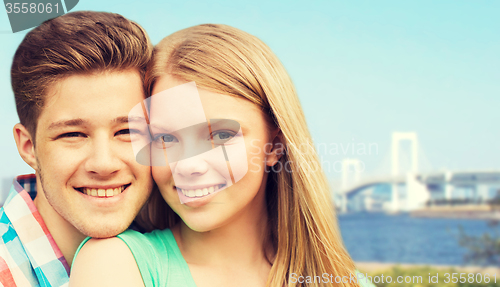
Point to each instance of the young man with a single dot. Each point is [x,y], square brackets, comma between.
[75,79]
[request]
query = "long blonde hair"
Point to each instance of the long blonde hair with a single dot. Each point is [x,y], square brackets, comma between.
[303,228]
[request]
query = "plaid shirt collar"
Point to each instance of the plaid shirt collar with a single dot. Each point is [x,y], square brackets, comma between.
[45,258]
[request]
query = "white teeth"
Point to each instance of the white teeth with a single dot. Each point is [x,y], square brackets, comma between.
[101,192]
[201,191]
[109,192]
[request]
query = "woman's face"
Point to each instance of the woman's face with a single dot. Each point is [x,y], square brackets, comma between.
[210,152]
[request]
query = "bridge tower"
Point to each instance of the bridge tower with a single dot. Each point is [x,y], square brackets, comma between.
[347,163]
[349,177]
[397,138]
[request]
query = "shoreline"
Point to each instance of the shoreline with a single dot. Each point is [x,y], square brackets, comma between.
[483,212]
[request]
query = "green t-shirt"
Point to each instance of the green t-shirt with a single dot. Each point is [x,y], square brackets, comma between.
[160,260]
[158,257]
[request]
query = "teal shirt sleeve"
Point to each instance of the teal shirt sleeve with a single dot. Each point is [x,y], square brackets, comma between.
[78,251]
[363,281]
[144,255]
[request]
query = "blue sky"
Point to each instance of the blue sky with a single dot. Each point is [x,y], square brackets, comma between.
[362,69]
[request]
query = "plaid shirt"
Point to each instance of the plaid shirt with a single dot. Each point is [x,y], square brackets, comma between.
[29,255]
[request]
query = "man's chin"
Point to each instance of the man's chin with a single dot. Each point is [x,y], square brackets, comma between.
[103,231]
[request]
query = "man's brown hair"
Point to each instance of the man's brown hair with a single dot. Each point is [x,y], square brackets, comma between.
[76,43]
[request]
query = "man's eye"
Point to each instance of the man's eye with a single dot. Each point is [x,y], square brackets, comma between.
[123,132]
[71,135]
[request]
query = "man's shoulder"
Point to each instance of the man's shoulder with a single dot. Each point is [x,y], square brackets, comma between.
[26,259]
[9,239]
[15,267]
[7,231]
[16,201]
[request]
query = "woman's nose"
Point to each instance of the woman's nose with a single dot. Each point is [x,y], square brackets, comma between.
[191,166]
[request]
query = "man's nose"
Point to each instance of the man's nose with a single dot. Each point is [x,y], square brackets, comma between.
[103,160]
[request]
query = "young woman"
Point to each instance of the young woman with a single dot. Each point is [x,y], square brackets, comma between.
[248,204]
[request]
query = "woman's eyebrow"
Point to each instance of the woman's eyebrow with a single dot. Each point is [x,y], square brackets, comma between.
[127,119]
[229,124]
[160,127]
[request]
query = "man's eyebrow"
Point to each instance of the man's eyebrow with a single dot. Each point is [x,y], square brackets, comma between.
[82,122]
[67,123]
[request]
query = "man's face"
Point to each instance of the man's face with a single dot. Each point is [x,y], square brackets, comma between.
[85,164]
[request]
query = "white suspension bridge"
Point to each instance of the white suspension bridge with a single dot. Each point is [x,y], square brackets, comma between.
[412,188]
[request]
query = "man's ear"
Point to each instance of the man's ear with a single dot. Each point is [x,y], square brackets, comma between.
[277,150]
[25,145]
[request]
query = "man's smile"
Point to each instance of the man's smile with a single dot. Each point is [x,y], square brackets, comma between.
[102,191]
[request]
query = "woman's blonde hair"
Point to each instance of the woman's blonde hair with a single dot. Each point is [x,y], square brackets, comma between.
[302,224]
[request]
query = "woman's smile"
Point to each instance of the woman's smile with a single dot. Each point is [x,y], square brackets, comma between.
[201,191]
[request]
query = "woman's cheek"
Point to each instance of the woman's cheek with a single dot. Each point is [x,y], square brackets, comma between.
[238,159]
[162,175]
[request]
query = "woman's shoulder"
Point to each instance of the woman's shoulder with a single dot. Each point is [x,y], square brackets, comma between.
[91,247]
[147,253]
[104,259]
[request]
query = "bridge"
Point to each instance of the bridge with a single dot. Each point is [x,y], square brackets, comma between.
[418,187]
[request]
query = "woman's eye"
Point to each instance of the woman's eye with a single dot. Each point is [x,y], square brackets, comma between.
[164,141]
[167,138]
[222,137]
